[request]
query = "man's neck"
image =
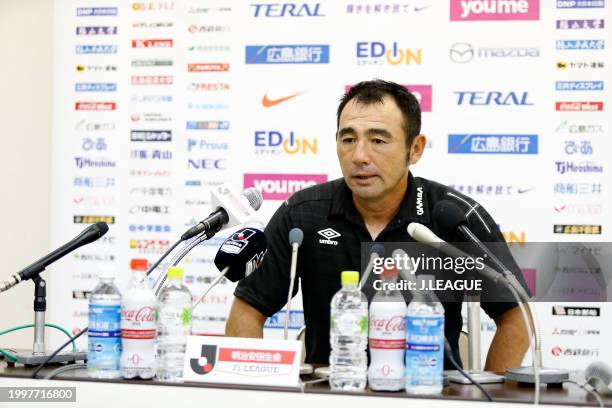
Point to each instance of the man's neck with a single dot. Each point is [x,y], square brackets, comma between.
[377,213]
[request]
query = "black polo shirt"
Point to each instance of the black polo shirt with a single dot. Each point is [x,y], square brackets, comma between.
[333,233]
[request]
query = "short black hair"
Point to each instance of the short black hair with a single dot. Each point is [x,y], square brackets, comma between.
[369,92]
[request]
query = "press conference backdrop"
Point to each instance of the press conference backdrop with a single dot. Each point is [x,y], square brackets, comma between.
[156,102]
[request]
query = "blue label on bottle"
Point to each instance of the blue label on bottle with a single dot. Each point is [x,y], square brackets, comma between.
[424,350]
[104,336]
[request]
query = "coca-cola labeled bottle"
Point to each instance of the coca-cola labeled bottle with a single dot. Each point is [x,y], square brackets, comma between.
[387,335]
[138,325]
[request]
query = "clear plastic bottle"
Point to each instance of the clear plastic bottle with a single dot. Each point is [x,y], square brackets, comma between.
[387,336]
[173,327]
[104,330]
[138,325]
[424,340]
[348,336]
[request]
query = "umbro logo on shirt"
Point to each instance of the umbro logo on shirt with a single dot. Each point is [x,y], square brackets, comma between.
[328,234]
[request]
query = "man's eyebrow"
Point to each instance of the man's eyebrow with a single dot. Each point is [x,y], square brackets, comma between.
[371,132]
[379,132]
[346,131]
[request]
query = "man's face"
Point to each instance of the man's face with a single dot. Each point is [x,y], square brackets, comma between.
[371,146]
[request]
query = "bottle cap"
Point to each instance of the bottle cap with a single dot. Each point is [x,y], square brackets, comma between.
[175,272]
[390,273]
[138,264]
[106,272]
[348,277]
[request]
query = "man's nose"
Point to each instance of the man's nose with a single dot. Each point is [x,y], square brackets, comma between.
[361,153]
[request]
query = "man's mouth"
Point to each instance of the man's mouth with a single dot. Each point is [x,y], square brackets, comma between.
[364,177]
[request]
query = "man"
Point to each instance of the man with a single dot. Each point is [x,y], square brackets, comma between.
[378,138]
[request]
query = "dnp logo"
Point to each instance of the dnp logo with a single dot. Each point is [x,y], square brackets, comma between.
[574,4]
[287,10]
[274,142]
[96,11]
[281,186]
[481,98]
[492,144]
[489,10]
[287,54]
[95,87]
[377,53]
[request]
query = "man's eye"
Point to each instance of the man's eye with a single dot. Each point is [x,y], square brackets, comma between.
[378,141]
[348,140]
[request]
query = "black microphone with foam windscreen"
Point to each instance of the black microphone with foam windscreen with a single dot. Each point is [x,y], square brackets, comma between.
[296,236]
[450,218]
[239,255]
[89,235]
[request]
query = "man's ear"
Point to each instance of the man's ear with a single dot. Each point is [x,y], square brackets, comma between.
[416,149]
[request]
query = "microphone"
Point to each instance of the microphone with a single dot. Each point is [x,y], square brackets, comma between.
[296,236]
[451,218]
[377,251]
[599,375]
[238,256]
[231,210]
[89,235]
[424,235]
[241,253]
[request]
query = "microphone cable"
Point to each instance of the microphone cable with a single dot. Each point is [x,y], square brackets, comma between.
[57,351]
[471,379]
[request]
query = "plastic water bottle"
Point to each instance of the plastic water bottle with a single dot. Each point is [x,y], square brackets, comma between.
[424,340]
[138,325]
[173,327]
[348,336]
[104,334]
[387,336]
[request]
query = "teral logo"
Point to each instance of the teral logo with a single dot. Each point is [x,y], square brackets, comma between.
[206,362]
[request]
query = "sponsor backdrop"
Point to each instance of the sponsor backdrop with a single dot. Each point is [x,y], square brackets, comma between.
[156,102]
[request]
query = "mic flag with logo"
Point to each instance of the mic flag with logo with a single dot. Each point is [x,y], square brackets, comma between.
[242,252]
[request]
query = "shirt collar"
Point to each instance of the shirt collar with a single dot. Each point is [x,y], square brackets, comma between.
[414,206]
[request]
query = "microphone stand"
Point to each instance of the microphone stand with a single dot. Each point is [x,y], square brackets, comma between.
[39,353]
[161,279]
[474,349]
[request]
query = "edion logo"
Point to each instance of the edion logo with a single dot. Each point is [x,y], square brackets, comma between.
[281,186]
[483,10]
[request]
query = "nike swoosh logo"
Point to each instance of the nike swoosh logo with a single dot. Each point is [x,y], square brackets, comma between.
[559,209]
[267,103]
[524,190]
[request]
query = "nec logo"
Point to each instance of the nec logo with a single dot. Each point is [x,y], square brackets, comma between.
[328,234]
[287,10]
[206,164]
